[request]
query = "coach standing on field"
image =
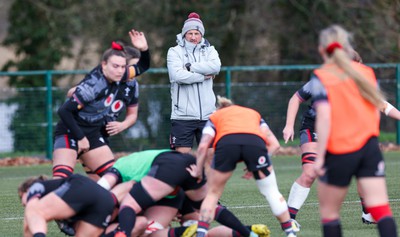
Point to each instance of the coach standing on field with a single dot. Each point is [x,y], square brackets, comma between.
[192,66]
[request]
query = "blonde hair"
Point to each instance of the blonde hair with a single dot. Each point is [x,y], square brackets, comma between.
[342,57]
[223,102]
[356,57]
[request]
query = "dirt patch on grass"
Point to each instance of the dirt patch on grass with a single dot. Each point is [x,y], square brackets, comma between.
[22,160]
[283,151]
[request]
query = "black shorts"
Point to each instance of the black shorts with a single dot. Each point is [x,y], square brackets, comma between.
[174,201]
[64,139]
[187,206]
[184,131]
[308,119]
[234,148]
[366,162]
[170,168]
[92,203]
[307,136]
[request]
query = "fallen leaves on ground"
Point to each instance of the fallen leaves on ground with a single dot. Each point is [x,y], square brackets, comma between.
[283,151]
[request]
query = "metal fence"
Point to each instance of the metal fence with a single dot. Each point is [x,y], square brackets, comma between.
[28,115]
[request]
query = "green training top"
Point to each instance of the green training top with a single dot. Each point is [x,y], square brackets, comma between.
[136,165]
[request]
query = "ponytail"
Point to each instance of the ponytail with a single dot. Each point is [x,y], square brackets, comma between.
[223,102]
[369,92]
[336,42]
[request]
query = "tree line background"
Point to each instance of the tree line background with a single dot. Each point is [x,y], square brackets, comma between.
[44,34]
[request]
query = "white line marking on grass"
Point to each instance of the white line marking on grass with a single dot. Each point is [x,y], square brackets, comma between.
[305,204]
[230,207]
[12,218]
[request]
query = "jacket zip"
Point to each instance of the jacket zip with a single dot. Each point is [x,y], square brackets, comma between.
[198,88]
[177,97]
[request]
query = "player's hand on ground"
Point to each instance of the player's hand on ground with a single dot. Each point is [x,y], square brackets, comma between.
[247,174]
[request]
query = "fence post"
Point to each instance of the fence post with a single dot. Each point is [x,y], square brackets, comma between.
[49,115]
[398,102]
[228,83]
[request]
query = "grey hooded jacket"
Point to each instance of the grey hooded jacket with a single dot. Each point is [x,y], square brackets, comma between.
[192,94]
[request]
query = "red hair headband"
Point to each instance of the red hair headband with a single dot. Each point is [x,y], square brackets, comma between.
[116,46]
[331,48]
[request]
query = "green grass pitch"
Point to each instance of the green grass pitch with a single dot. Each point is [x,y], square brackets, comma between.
[241,196]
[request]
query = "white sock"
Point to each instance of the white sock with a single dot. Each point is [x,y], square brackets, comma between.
[269,188]
[297,196]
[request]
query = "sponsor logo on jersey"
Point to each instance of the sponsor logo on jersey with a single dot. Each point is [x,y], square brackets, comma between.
[262,162]
[37,189]
[127,90]
[117,106]
[73,143]
[380,169]
[107,220]
[109,100]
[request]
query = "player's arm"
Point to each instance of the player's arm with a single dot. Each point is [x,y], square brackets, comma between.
[205,142]
[322,122]
[116,127]
[27,232]
[272,142]
[139,41]
[71,92]
[390,111]
[293,107]
[207,138]
[322,127]
[139,68]
[131,116]
[66,113]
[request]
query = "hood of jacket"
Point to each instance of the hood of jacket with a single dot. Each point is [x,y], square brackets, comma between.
[181,41]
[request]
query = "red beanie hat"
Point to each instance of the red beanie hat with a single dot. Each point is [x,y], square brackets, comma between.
[193,23]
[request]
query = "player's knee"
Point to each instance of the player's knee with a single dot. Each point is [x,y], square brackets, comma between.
[62,171]
[308,157]
[264,171]
[307,178]
[269,188]
[218,211]
[87,170]
[104,168]
[277,202]
[33,210]
[140,226]
[379,212]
